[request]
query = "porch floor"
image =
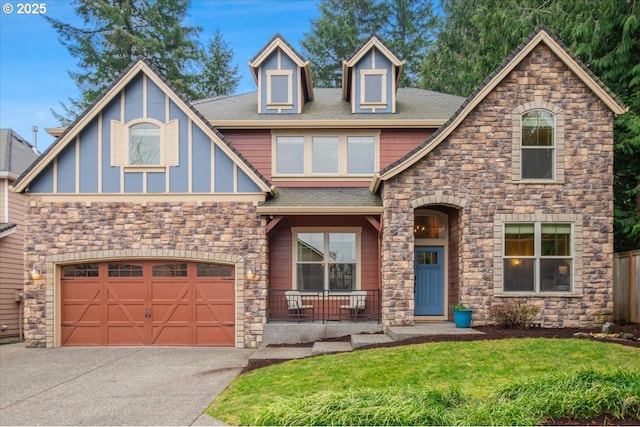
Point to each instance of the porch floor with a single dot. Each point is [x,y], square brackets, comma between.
[362,334]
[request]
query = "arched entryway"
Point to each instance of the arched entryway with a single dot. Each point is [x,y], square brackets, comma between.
[436,234]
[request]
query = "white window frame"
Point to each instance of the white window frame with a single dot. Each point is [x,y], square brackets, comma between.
[326,231]
[383,89]
[276,105]
[120,144]
[343,139]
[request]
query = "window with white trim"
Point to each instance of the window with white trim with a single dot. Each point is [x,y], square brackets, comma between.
[290,155]
[538,257]
[538,144]
[325,155]
[144,143]
[326,260]
[373,87]
[279,88]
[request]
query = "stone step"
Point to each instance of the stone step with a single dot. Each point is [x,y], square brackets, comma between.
[330,347]
[363,340]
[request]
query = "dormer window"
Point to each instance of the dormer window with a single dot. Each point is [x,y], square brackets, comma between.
[373,91]
[144,145]
[279,88]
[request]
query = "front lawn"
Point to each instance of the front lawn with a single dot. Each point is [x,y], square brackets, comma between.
[455,381]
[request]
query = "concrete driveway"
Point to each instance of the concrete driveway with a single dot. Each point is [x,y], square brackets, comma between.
[114,385]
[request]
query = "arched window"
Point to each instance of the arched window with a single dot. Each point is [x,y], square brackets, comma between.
[538,144]
[144,144]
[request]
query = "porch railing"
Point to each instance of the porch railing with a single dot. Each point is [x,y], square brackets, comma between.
[311,306]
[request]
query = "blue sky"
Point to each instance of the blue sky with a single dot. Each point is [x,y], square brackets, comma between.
[34,65]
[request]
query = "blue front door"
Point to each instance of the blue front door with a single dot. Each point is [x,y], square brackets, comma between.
[429,288]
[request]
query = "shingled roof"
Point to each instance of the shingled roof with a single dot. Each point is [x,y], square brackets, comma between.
[416,105]
[322,200]
[16,154]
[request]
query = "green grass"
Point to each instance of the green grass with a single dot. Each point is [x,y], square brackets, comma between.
[445,377]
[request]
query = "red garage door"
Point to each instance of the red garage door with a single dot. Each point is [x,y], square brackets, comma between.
[148,303]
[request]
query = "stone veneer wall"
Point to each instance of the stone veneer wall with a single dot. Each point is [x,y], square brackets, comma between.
[227,232]
[472,170]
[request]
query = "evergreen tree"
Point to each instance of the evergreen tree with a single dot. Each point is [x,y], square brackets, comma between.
[477,36]
[218,76]
[410,32]
[115,32]
[336,35]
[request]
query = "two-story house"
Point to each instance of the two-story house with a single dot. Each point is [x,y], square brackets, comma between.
[157,221]
[16,154]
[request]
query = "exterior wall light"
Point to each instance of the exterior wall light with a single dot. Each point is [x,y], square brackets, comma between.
[249,273]
[35,273]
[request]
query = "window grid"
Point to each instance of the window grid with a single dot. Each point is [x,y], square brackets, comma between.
[326,260]
[537,257]
[325,155]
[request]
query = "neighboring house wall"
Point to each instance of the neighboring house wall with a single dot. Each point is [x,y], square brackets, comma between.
[11,260]
[471,171]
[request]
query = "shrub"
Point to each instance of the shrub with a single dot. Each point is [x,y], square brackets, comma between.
[513,314]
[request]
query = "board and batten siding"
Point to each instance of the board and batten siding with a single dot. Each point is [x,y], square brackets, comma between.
[11,261]
[88,164]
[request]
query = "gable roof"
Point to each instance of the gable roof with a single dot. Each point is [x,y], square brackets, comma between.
[541,35]
[372,42]
[16,154]
[136,67]
[278,42]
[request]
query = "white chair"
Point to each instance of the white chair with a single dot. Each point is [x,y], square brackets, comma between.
[356,306]
[295,305]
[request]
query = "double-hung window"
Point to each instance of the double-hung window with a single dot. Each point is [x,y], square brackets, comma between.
[538,257]
[538,145]
[326,260]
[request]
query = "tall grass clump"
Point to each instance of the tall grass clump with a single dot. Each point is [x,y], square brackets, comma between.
[370,407]
[580,395]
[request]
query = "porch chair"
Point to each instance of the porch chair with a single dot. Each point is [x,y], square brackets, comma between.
[356,306]
[295,305]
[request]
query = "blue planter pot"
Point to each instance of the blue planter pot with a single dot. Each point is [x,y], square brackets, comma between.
[462,318]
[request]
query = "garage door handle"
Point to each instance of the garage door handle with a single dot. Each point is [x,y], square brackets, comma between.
[147,313]
[68,324]
[228,324]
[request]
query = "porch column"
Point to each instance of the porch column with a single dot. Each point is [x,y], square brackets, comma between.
[397,258]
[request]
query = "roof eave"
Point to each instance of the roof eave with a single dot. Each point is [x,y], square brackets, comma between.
[319,210]
[327,124]
[542,36]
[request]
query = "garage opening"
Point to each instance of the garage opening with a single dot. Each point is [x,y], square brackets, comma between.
[148,303]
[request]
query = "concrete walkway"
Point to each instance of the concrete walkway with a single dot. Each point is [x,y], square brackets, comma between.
[359,340]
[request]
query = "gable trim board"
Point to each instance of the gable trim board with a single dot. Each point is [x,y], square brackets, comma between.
[328,124]
[373,42]
[540,36]
[278,42]
[139,66]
